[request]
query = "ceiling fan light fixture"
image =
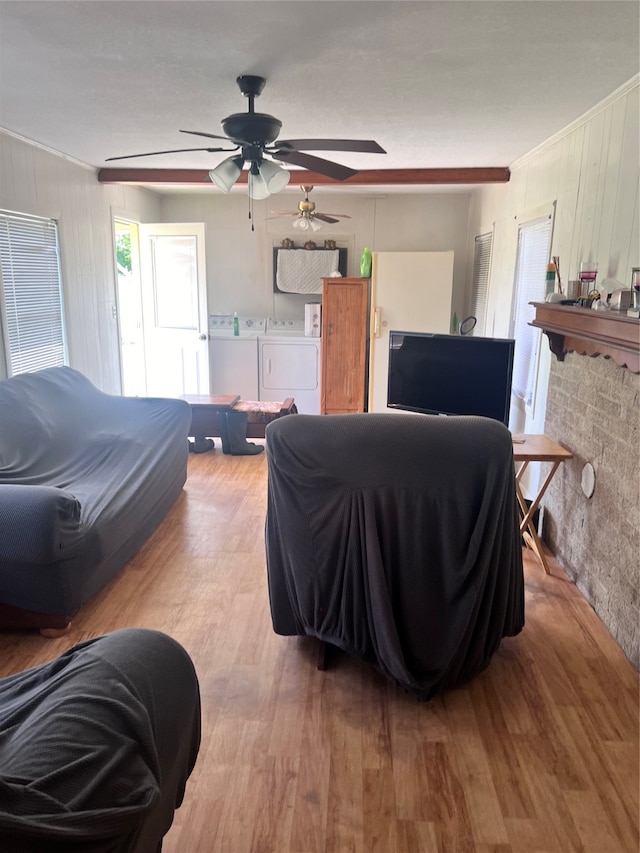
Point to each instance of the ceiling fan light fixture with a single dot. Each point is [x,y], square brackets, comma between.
[266,178]
[258,189]
[307,217]
[227,173]
[275,177]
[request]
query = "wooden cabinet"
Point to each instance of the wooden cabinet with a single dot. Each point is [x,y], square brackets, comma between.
[345,320]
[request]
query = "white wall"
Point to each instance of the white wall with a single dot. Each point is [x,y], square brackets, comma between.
[240,261]
[41,183]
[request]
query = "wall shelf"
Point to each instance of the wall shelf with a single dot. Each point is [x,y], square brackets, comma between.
[571,328]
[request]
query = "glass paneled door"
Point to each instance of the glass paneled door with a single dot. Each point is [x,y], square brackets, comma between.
[174,306]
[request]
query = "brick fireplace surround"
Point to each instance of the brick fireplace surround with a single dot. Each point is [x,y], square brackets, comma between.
[593,410]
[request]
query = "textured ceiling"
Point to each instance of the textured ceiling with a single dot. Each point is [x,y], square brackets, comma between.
[437,84]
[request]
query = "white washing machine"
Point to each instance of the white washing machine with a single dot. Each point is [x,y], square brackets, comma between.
[233,359]
[289,365]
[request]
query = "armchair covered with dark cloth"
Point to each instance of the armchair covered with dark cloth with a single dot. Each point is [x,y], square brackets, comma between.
[96,746]
[395,537]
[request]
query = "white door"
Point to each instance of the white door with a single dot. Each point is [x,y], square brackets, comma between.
[411,292]
[174,307]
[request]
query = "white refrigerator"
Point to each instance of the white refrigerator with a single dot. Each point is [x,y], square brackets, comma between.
[410,292]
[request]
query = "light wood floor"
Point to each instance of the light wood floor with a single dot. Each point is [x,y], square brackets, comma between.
[540,753]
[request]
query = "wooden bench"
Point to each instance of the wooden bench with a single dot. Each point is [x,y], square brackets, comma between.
[206,409]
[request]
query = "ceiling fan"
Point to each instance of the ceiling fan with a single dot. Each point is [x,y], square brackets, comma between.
[254,135]
[306,215]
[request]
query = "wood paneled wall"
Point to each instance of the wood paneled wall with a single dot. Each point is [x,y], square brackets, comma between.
[39,182]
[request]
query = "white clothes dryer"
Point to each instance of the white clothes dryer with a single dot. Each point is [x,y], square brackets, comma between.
[289,365]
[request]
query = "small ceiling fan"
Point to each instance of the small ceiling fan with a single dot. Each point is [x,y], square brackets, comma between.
[306,215]
[254,135]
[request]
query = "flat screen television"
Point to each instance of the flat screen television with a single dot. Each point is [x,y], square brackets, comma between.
[450,374]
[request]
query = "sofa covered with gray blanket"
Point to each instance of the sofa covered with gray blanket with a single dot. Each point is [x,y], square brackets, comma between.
[85,478]
[396,538]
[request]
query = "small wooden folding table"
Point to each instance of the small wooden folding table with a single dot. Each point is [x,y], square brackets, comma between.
[535,448]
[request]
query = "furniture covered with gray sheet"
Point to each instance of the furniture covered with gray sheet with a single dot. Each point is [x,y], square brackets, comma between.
[395,537]
[85,478]
[96,746]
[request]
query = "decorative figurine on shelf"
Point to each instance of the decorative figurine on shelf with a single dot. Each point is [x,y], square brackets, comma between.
[309,244]
[287,243]
[329,244]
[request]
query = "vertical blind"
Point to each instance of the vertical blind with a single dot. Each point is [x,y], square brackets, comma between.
[480,285]
[534,246]
[31,293]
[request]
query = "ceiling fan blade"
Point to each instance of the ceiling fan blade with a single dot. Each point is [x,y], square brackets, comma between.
[215,136]
[172,151]
[339,215]
[324,217]
[366,146]
[285,212]
[316,164]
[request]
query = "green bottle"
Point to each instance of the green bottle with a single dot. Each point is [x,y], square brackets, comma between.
[365,263]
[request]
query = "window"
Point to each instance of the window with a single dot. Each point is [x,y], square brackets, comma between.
[31,293]
[534,246]
[480,285]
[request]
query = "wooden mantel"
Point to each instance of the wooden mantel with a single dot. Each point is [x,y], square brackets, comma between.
[571,328]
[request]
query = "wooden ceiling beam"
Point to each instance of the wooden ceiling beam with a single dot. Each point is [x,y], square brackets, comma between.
[367,177]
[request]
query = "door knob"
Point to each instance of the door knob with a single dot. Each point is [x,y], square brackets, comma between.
[202,337]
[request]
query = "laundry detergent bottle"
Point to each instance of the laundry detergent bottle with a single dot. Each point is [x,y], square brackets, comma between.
[365,263]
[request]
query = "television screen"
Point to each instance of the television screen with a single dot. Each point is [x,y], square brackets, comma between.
[450,374]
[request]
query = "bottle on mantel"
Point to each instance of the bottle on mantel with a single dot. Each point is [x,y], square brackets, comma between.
[236,324]
[550,281]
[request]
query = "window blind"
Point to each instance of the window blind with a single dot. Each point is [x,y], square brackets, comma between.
[534,245]
[31,293]
[480,284]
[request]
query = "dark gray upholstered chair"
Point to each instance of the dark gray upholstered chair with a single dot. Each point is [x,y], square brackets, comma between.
[395,537]
[96,746]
